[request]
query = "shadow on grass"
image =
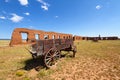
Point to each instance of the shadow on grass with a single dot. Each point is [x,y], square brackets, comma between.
[36,64]
[67,54]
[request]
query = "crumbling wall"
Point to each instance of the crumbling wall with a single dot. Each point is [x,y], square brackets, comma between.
[77,38]
[16,38]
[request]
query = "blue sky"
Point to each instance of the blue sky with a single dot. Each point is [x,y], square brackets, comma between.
[77,17]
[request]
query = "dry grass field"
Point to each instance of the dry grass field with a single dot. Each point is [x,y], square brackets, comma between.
[4,43]
[94,61]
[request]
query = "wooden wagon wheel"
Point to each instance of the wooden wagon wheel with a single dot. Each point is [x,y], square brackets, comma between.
[51,57]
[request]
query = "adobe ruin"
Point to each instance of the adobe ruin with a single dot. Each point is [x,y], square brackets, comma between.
[16,38]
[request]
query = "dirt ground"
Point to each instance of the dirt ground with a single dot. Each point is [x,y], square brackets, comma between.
[86,68]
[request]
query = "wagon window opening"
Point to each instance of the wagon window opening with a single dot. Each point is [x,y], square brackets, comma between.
[24,37]
[46,37]
[37,36]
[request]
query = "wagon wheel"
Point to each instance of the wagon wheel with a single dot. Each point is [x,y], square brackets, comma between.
[51,57]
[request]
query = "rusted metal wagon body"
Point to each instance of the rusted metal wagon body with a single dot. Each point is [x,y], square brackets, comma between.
[50,49]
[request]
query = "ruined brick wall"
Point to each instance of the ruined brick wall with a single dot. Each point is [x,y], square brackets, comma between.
[17,37]
[77,38]
[103,38]
[109,38]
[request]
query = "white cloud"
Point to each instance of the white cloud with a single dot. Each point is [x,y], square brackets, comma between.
[27,13]
[6,0]
[23,2]
[2,17]
[31,27]
[15,18]
[44,7]
[98,7]
[56,16]
[44,4]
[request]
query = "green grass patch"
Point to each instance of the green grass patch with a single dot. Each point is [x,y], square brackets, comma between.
[45,72]
[20,73]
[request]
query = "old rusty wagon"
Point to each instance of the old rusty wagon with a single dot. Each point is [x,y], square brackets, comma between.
[50,49]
